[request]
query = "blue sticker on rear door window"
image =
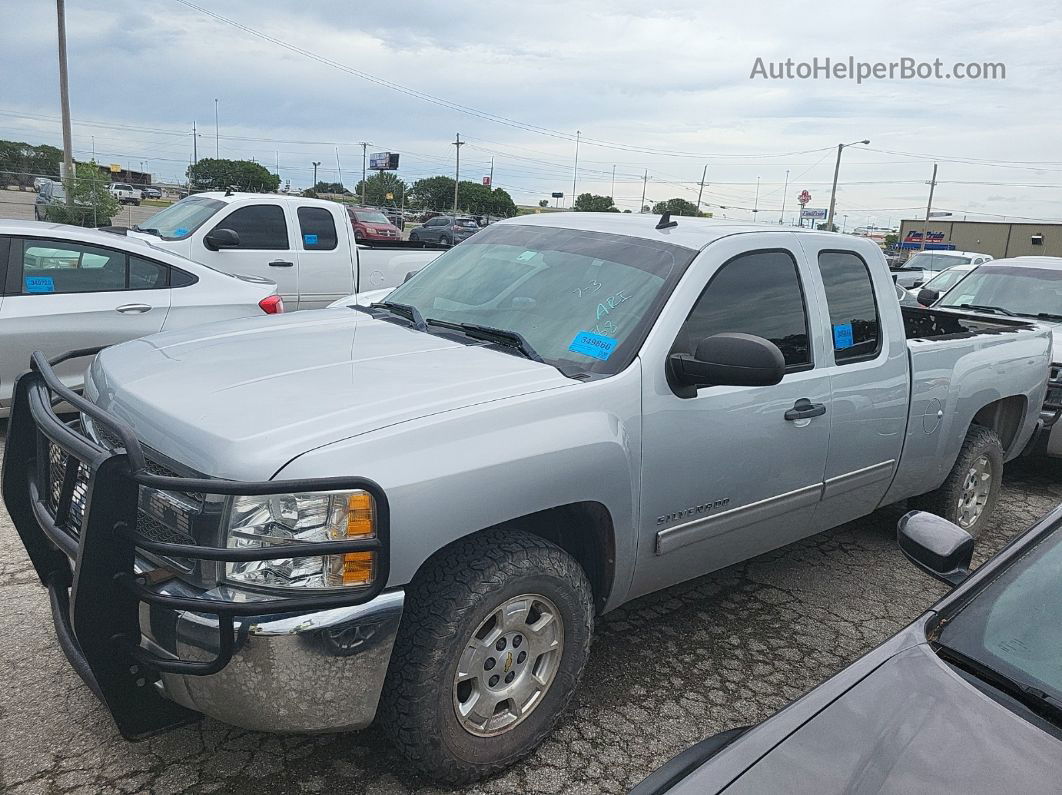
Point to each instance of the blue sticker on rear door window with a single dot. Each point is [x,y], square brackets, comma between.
[39,284]
[842,336]
[309,240]
[597,345]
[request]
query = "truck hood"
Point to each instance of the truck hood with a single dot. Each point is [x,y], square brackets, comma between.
[239,399]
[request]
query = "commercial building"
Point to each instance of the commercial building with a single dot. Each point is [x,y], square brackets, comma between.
[998,238]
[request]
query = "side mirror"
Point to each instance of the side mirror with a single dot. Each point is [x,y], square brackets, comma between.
[927,297]
[731,359]
[935,545]
[221,238]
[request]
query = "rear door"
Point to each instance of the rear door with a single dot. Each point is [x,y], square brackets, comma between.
[326,271]
[63,295]
[266,247]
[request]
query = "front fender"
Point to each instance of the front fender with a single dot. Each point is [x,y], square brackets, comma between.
[454,473]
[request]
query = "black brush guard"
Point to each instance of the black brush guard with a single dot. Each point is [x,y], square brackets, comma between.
[96,604]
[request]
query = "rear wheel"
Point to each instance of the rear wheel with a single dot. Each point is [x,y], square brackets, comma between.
[446,240]
[493,642]
[969,494]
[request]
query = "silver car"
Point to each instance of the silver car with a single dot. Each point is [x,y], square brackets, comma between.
[64,288]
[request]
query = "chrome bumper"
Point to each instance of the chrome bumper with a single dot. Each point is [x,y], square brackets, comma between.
[314,672]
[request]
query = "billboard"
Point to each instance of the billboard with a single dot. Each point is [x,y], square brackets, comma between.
[383,161]
[813,212]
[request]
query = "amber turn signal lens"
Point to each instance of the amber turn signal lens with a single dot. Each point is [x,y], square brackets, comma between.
[358,568]
[361,519]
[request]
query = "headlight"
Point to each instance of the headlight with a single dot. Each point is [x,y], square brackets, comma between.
[279,519]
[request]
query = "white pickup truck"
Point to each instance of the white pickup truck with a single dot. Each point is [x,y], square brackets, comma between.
[305,245]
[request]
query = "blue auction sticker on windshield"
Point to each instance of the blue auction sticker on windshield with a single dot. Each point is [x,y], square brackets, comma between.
[597,345]
[842,336]
[309,240]
[39,284]
[180,232]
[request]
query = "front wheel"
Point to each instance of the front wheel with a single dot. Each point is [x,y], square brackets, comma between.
[446,241]
[493,642]
[969,493]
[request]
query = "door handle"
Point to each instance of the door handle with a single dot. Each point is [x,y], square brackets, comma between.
[280,263]
[804,409]
[133,309]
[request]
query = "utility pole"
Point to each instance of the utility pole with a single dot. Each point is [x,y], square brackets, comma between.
[364,153]
[929,208]
[457,168]
[217,132]
[756,201]
[785,190]
[613,184]
[64,101]
[195,145]
[491,178]
[316,163]
[645,181]
[276,153]
[575,173]
[339,167]
[704,173]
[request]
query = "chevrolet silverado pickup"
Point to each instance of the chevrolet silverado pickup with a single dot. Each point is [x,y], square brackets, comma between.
[413,511]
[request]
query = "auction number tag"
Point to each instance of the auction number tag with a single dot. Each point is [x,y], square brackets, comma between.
[842,336]
[309,240]
[40,284]
[596,345]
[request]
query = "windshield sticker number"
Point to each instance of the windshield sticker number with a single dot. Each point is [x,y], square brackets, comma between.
[40,284]
[842,336]
[180,232]
[527,256]
[597,346]
[309,240]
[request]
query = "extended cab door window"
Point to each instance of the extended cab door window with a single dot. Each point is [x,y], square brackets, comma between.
[260,227]
[318,229]
[854,324]
[757,293]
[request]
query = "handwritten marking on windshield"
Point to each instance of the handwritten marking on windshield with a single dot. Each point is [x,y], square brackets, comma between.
[611,303]
[590,289]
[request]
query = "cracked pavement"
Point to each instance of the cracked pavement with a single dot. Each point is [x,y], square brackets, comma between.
[727,649]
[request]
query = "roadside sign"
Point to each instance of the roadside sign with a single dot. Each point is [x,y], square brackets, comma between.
[557,195]
[813,212]
[390,197]
[116,168]
[486,181]
[803,198]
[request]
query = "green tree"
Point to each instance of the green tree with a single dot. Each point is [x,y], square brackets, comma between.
[892,240]
[543,202]
[380,184]
[244,175]
[93,203]
[824,227]
[676,207]
[20,163]
[592,203]
[330,187]
[432,193]
[478,199]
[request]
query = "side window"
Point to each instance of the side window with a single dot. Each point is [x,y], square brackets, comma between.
[853,311]
[147,275]
[756,293]
[317,228]
[179,278]
[260,226]
[62,267]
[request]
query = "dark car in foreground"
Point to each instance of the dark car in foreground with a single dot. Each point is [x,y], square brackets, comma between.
[966,699]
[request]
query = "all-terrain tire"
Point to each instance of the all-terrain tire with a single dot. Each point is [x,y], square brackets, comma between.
[980,447]
[445,604]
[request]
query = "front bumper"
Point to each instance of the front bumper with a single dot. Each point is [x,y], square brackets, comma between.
[157,651]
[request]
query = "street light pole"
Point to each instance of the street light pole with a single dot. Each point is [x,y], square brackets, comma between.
[704,173]
[364,149]
[836,171]
[645,181]
[316,163]
[929,208]
[575,172]
[64,101]
[785,190]
[217,132]
[457,169]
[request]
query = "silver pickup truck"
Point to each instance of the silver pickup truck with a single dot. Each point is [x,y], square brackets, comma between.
[414,510]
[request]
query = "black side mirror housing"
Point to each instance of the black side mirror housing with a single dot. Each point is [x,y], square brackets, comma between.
[935,545]
[221,238]
[731,359]
[927,297]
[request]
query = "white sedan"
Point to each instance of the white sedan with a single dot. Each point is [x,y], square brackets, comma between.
[64,288]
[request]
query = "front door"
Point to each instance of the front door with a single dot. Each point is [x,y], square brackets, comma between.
[731,472]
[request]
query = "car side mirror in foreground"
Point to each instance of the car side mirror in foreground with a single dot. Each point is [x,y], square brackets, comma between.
[221,238]
[927,297]
[731,359]
[935,545]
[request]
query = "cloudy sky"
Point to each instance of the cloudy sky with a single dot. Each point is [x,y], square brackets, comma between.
[657,88]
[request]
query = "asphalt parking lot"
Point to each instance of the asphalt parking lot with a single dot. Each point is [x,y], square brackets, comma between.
[723,650]
[18,205]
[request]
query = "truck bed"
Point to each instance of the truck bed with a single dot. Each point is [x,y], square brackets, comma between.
[929,324]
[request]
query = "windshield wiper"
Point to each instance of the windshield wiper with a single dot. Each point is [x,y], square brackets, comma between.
[986,308]
[511,339]
[147,230]
[407,311]
[1048,316]
[1042,703]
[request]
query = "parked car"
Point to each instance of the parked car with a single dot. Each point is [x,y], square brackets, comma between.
[421,505]
[1024,287]
[943,281]
[371,224]
[151,192]
[922,266]
[306,246]
[63,288]
[50,193]
[966,699]
[445,229]
[125,193]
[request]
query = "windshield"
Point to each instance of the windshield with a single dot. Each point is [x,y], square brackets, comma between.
[371,217]
[1014,625]
[583,300]
[945,280]
[927,260]
[181,219]
[1022,291]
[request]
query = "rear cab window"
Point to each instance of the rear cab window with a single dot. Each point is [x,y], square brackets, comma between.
[854,326]
[317,228]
